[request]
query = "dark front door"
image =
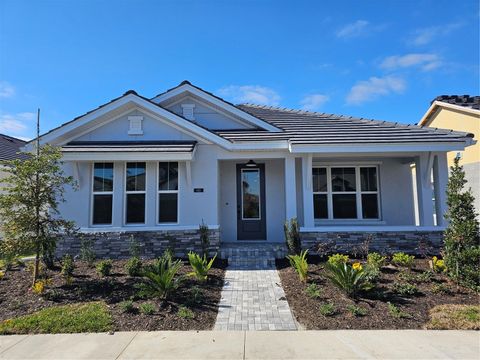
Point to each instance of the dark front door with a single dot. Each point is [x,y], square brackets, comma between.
[251,222]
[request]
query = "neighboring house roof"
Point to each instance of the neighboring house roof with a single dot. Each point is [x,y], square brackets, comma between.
[10,147]
[303,127]
[465,103]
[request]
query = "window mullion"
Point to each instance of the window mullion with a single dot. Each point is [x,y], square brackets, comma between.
[358,192]
[329,194]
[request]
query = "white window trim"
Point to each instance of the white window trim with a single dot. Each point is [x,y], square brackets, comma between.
[260,194]
[358,192]
[126,193]
[93,192]
[157,221]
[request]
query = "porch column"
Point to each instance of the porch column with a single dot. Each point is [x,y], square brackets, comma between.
[308,220]
[290,189]
[440,180]
[423,168]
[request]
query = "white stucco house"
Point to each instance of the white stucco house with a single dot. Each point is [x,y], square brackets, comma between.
[157,167]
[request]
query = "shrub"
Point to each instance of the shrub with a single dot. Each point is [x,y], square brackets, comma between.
[134,247]
[376,260]
[403,260]
[196,295]
[337,259]
[300,264]
[348,278]
[314,291]
[200,265]
[405,289]
[372,273]
[357,310]
[40,286]
[437,265]
[87,253]
[396,312]
[292,236]
[441,289]
[204,237]
[147,308]
[127,306]
[185,312]
[68,266]
[160,278]
[104,267]
[462,237]
[327,309]
[133,267]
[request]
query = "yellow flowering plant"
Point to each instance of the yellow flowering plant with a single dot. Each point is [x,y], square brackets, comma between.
[357,266]
[438,265]
[40,286]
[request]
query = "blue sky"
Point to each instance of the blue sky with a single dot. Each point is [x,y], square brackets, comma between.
[376,59]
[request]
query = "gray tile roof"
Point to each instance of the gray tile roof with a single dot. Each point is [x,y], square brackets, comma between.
[9,148]
[129,146]
[472,102]
[303,127]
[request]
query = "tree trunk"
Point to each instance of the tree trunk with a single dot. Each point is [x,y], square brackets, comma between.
[36,265]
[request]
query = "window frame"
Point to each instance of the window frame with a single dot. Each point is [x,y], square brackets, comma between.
[358,192]
[129,192]
[158,191]
[93,192]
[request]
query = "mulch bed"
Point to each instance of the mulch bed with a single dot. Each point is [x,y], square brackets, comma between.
[307,309]
[16,298]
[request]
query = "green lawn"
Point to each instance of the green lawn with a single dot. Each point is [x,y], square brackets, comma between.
[455,317]
[75,318]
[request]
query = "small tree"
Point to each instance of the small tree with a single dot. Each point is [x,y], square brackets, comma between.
[461,240]
[29,205]
[204,237]
[292,237]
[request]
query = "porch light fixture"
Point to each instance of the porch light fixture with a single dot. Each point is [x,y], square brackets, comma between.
[251,164]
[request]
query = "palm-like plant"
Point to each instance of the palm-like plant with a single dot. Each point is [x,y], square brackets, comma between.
[350,279]
[300,264]
[200,265]
[160,278]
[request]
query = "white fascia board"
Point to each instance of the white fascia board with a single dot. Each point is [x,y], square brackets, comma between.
[378,148]
[260,145]
[426,117]
[221,104]
[127,156]
[366,228]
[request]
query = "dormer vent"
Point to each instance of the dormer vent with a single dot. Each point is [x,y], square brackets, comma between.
[136,126]
[188,111]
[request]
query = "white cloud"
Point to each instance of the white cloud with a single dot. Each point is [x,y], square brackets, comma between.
[19,125]
[250,94]
[426,62]
[313,102]
[6,90]
[427,35]
[373,88]
[354,29]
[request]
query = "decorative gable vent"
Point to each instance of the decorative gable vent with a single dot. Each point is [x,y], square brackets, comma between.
[188,111]
[135,125]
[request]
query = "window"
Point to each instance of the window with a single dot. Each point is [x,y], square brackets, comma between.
[168,192]
[135,193]
[345,192]
[102,193]
[250,194]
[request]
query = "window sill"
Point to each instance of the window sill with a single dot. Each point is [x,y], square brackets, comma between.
[334,222]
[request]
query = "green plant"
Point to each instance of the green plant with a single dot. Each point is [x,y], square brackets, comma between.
[147,308]
[349,278]
[327,309]
[376,260]
[396,312]
[200,265]
[196,295]
[372,273]
[29,201]
[292,236]
[134,247]
[403,260]
[438,265]
[104,267]
[424,277]
[300,264]
[127,306]
[357,310]
[87,253]
[405,289]
[68,266]
[160,278]
[441,289]
[337,259]
[40,286]
[185,313]
[133,267]
[314,291]
[204,237]
[462,237]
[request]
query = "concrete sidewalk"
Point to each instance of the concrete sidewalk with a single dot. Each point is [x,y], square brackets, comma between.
[340,344]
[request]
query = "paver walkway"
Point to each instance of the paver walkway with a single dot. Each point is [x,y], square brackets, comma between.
[253,300]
